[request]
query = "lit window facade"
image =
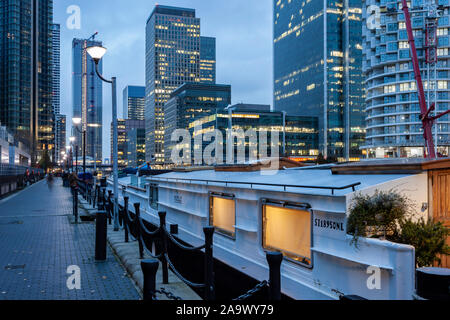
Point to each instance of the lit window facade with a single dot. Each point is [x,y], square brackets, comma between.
[301,132]
[317,70]
[134,103]
[172,59]
[26,74]
[208,60]
[392,106]
[190,102]
[131,142]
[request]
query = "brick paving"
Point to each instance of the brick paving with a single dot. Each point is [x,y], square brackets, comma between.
[38,244]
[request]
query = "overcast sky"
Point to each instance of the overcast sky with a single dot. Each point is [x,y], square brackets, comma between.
[243,29]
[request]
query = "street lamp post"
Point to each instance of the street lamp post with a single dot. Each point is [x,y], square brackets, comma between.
[97,54]
[77,122]
[72,140]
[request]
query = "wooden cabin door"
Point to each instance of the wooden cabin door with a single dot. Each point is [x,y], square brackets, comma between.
[441,204]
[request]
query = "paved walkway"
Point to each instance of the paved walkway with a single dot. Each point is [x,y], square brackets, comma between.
[38,243]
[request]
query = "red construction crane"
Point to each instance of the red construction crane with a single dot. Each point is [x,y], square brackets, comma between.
[427,120]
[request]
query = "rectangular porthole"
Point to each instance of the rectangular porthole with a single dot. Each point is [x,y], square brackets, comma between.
[287,228]
[222,213]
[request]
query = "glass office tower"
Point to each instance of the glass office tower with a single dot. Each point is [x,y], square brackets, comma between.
[131,142]
[25,73]
[393,125]
[317,70]
[172,58]
[87,89]
[301,133]
[134,102]
[190,102]
[208,60]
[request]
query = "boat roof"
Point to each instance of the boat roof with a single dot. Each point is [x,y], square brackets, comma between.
[314,180]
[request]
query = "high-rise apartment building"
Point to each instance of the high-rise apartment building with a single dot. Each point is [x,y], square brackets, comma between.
[208,60]
[60,120]
[392,105]
[26,73]
[134,102]
[56,68]
[87,99]
[317,70]
[172,58]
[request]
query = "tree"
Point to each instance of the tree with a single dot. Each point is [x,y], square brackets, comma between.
[45,162]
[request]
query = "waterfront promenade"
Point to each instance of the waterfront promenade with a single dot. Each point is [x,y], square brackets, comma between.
[38,244]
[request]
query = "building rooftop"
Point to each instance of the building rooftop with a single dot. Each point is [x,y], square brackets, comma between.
[200,86]
[172,11]
[302,181]
[251,107]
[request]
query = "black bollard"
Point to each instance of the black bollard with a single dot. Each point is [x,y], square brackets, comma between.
[103,199]
[125,217]
[109,210]
[209,264]
[149,270]
[100,236]
[274,259]
[75,203]
[162,227]
[138,229]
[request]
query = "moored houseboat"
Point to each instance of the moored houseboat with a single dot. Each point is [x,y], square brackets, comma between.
[301,212]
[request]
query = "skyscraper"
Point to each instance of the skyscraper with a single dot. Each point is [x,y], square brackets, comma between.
[393,125]
[60,120]
[134,103]
[56,68]
[87,98]
[25,73]
[208,60]
[317,70]
[61,129]
[172,58]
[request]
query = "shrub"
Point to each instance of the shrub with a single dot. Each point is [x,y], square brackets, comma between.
[382,212]
[427,237]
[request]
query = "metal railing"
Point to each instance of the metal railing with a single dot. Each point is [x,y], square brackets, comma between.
[251,184]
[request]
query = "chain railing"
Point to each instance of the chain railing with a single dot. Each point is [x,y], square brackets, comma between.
[161,239]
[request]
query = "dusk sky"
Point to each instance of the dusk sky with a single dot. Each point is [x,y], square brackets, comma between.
[243,29]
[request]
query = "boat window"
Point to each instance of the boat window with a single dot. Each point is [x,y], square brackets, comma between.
[287,229]
[153,198]
[222,213]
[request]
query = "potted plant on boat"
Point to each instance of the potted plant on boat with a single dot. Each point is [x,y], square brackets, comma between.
[389,216]
[378,215]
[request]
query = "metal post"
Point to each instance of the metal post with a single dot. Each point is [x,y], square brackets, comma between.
[138,229]
[115,155]
[75,203]
[104,199]
[76,159]
[209,264]
[109,207]
[125,218]
[84,150]
[274,259]
[162,227]
[149,270]
[100,236]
